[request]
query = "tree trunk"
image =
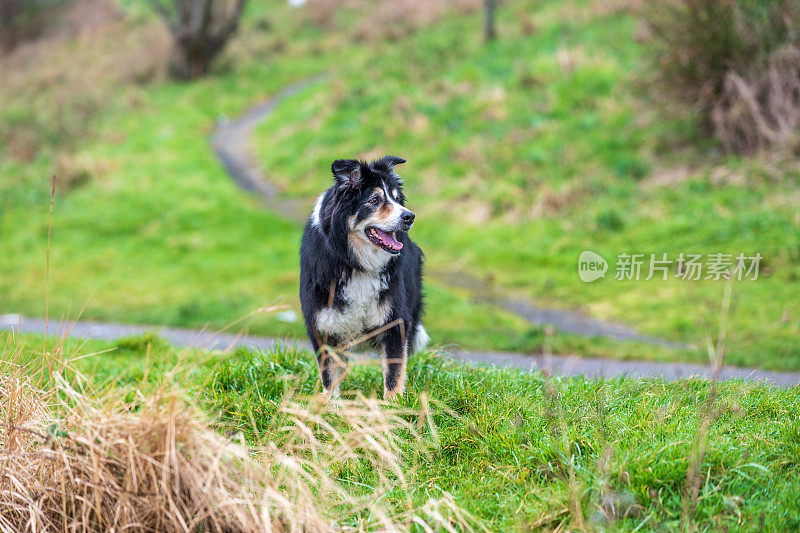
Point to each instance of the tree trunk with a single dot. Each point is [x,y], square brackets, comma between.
[9,12]
[489,32]
[189,62]
[200,31]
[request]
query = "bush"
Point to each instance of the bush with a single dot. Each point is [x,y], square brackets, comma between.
[737,62]
[22,20]
[200,30]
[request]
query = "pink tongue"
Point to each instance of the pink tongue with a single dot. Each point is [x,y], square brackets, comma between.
[388,240]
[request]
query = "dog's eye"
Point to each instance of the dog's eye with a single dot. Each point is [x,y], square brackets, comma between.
[374,200]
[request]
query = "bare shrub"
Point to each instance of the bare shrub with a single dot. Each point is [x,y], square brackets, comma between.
[72,463]
[735,62]
[762,110]
[200,30]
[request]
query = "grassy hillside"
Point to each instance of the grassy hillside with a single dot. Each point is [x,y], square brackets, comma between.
[517,450]
[532,149]
[151,229]
[544,144]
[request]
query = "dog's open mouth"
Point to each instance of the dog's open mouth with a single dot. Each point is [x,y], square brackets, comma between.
[383,239]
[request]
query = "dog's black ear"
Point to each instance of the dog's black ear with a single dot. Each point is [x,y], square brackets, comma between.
[347,172]
[392,160]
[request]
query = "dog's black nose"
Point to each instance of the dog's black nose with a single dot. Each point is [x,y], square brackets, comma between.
[407,217]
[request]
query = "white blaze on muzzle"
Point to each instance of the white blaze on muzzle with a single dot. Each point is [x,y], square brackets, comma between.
[396,220]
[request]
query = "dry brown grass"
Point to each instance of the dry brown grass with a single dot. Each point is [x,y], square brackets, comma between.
[84,52]
[73,460]
[53,87]
[762,109]
[76,170]
[694,475]
[735,62]
[551,202]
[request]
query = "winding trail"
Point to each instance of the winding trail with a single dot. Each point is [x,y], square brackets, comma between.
[559,365]
[231,141]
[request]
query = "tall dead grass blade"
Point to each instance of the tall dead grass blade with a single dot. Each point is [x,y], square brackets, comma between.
[700,442]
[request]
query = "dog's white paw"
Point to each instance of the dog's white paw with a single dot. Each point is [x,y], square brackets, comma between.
[332,394]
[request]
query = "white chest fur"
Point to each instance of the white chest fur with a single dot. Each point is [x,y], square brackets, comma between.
[362,310]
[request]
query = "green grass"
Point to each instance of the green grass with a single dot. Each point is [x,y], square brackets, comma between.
[505,441]
[538,147]
[504,454]
[165,237]
[521,154]
[533,149]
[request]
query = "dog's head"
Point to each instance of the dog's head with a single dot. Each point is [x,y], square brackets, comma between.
[369,202]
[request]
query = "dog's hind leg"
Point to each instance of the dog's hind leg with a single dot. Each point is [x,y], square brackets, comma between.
[394,355]
[332,370]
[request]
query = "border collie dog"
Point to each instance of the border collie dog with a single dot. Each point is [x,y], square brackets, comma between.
[360,273]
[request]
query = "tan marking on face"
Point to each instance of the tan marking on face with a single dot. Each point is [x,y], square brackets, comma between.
[369,256]
[395,194]
[382,215]
[356,240]
[385,212]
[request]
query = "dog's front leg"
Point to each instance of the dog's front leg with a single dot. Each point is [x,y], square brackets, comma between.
[394,355]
